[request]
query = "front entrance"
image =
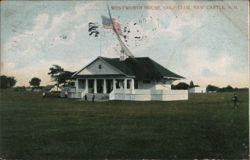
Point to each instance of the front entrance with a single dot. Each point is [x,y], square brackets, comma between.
[90,86]
[100,86]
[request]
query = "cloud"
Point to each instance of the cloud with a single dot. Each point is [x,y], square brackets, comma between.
[50,38]
[199,59]
[41,21]
[170,23]
[206,72]
[204,69]
[44,31]
[165,30]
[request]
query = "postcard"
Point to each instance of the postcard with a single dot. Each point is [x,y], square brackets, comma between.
[124,80]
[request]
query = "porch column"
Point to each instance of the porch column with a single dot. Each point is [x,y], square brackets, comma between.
[114,86]
[95,86]
[86,86]
[125,84]
[132,85]
[77,85]
[104,86]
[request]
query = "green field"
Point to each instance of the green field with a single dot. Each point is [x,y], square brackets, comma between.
[205,126]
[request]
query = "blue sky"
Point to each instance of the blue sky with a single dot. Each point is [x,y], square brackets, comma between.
[208,46]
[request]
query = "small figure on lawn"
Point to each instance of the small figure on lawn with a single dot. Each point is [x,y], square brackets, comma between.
[85,97]
[44,94]
[93,98]
[66,94]
[235,101]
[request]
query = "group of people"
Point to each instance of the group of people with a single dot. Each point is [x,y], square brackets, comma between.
[86,98]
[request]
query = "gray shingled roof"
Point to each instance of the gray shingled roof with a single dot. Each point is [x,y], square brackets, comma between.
[142,68]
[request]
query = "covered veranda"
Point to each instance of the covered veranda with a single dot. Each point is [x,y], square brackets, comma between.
[103,84]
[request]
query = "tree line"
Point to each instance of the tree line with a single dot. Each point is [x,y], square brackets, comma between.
[209,88]
[56,73]
[183,85]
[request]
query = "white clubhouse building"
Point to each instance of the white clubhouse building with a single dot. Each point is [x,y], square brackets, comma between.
[139,79]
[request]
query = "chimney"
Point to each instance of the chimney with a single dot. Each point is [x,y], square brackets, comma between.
[122,55]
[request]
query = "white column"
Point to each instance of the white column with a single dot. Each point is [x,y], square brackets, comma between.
[77,85]
[95,86]
[86,86]
[125,84]
[104,86]
[114,86]
[132,86]
[77,88]
[124,88]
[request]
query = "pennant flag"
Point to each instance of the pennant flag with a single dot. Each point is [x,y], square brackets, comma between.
[111,24]
[93,29]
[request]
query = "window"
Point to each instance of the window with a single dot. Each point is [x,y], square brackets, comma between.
[146,81]
[100,66]
[81,83]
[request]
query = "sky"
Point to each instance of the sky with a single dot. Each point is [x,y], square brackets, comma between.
[204,41]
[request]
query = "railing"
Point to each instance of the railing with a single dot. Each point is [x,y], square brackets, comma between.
[112,95]
[147,94]
[139,94]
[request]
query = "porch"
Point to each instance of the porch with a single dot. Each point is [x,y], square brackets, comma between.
[124,88]
[103,85]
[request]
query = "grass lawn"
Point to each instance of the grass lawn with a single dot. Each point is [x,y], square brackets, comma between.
[205,126]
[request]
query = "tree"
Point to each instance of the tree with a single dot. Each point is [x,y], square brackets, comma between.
[55,71]
[229,88]
[12,81]
[59,75]
[180,85]
[226,89]
[65,77]
[35,82]
[7,82]
[212,88]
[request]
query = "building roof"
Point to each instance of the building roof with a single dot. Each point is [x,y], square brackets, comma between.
[141,68]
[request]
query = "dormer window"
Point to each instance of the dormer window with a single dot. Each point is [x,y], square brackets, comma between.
[100,66]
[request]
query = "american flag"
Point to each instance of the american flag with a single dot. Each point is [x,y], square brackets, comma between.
[107,24]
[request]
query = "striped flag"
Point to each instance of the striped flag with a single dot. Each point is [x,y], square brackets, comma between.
[107,24]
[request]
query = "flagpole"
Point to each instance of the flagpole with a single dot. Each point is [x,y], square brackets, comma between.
[123,46]
[100,43]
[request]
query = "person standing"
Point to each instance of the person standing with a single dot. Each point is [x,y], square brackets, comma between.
[235,101]
[44,94]
[66,94]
